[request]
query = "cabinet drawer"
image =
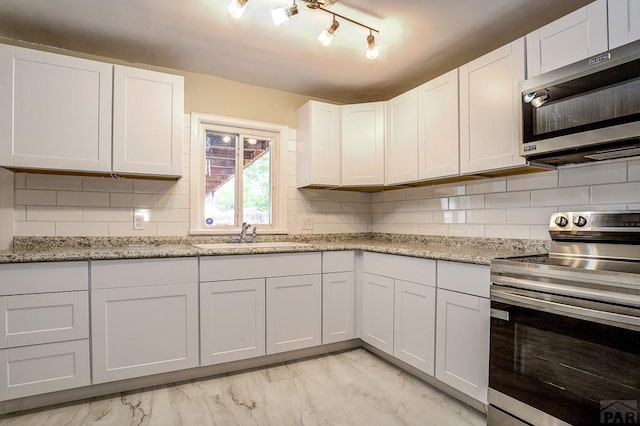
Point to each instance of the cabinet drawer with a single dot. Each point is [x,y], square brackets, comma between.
[464,278]
[405,268]
[43,277]
[223,268]
[31,319]
[143,272]
[33,370]
[337,261]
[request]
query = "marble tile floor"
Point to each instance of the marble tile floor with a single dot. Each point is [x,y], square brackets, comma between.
[347,388]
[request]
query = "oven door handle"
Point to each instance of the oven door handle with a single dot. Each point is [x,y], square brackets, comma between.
[575,311]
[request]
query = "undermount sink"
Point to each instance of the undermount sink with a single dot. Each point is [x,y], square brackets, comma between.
[238,245]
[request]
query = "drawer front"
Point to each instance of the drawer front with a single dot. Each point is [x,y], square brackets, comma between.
[338,261]
[224,268]
[143,272]
[38,369]
[404,268]
[464,278]
[43,277]
[31,319]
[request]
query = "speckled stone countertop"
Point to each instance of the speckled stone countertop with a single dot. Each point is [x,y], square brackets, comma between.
[459,249]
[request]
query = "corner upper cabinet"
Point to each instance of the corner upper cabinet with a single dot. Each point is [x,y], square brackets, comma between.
[55,111]
[148,111]
[573,37]
[401,143]
[318,145]
[438,134]
[363,144]
[624,22]
[489,109]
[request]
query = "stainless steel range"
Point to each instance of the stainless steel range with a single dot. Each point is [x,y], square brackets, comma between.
[565,327]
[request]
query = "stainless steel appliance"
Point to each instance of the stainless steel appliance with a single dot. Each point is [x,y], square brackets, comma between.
[565,327]
[586,111]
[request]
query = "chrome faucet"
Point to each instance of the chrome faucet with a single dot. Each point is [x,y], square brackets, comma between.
[253,234]
[243,231]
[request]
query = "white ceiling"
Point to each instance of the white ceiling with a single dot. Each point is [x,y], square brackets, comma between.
[419,39]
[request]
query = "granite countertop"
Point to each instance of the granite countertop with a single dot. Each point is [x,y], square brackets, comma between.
[459,249]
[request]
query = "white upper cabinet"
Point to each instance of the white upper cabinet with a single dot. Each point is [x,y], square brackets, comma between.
[148,111]
[573,37]
[489,110]
[438,135]
[55,111]
[624,22]
[363,144]
[401,144]
[318,144]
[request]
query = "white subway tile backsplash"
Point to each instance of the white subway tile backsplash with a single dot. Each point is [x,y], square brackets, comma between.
[487,186]
[463,230]
[382,207]
[354,227]
[20,213]
[540,232]
[458,216]
[133,200]
[466,202]
[397,195]
[487,216]
[508,199]
[82,229]
[530,216]
[54,214]
[363,218]
[327,206]
[107,214]
[83,199]
[434,229]
[434,204]
[419,217]
[406,206]
[560,196]
[122,229]
[326,228]
[449,190]
[507,231]
[105,184]
[172,229]
[363,197]
[37,181]
[148,186]
[418,193]
[29,229]
[173,201]
[20,180]
[356,208]
[593,174]
[340,218]
[634,170]
[341,196]
[533,181]
[313,194]
[35,197]
[616,193]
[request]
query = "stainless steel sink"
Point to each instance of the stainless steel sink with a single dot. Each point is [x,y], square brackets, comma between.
[273,244]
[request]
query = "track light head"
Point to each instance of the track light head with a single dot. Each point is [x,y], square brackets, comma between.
[372,47]
[326,36]
[283,14]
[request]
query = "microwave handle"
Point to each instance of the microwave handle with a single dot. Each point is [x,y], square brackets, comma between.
[574,311]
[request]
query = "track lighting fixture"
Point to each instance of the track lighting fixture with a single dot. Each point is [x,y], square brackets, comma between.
[237,7]
[372,48]
[283,14]
[326,36]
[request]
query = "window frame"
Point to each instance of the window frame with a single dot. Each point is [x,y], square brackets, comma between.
[200,123]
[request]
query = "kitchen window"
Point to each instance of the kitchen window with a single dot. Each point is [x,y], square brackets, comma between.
[237,175]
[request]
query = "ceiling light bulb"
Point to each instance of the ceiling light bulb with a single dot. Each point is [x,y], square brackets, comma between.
[326,36]
[283,14]
[237,7]
[372,47]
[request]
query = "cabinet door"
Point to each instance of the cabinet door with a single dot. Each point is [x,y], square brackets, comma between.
[489,109]
[55,111]
[415,325]
[401,143]
[32,370]
[294,312]
[318,144]
[338,307]
[624,22]
[438,135]
[232,320]
[148,116]
[31,319]
[137,331]
[377,311]
[573,37]
[363,144]
[462,342]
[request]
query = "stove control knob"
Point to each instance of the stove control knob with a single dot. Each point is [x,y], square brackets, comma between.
[579,221]
[561,221]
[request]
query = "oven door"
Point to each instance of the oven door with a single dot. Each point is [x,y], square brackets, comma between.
[558,359]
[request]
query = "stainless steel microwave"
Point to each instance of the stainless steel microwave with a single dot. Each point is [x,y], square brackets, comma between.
[586,111]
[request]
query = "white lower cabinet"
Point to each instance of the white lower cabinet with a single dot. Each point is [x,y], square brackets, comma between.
[462,333]
[32,370]
[144,317]
[338,307]
[377,311]
[414,324]
[232,320]
[294,312]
